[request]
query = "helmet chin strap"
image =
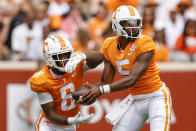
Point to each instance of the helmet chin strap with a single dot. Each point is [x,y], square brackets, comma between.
[61,69]
[131,39]
[56,73]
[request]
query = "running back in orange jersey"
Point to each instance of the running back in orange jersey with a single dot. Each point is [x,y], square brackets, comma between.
[123,60]
[60,89]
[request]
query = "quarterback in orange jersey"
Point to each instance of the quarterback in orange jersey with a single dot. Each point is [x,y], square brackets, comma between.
[131,54]
[54,84]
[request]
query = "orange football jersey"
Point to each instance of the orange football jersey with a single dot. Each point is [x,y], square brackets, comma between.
[124,60]
[59,88]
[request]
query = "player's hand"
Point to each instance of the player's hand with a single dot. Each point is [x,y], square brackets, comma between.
[74,61]
[91,95]
[78,119]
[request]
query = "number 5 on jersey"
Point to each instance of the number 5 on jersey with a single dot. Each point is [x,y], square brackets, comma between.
[119,66]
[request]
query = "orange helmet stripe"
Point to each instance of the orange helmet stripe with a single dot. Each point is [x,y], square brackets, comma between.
[115,13]
[131,11]
[45,44]
[60,39]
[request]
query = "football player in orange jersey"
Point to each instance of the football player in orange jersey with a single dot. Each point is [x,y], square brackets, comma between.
[131,54]
[54,84]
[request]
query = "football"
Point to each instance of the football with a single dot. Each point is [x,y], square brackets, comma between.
[77,94]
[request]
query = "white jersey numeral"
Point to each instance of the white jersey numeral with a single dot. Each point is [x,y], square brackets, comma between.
[67,100]
[38,74]
[119,64]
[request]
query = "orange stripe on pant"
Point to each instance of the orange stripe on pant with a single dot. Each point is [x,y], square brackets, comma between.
[38,122]
[166,110]
[170,105]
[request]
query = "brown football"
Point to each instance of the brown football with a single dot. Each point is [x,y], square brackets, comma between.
[77,94]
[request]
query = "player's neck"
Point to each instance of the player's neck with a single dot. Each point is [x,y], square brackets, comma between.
[123,42]
[57,72]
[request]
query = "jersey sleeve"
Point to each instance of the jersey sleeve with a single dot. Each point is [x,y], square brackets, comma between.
[80,67]
[146,44]
[37,85]
[44,97]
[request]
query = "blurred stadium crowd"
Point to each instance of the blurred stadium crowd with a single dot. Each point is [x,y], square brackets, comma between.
[24,24]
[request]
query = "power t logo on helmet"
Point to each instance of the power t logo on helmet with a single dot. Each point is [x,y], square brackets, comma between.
[57,51]
[127,22]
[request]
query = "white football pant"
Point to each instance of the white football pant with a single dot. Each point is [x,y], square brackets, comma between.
[155,106]
[42,124]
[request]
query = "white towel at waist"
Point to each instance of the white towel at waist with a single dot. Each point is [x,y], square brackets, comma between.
[115,115]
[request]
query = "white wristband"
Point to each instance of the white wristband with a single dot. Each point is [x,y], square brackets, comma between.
[101,89]
[104,89]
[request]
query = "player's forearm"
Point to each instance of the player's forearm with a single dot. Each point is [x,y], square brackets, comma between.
[101,83]
[119,85]
[93,59]
[105,80]
[57,118]
[123,83]
[128,81]
[137,71]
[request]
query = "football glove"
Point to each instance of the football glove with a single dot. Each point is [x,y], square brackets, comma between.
[74,61]
[78,119]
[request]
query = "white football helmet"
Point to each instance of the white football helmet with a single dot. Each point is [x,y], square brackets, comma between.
[130,15]
[54,46]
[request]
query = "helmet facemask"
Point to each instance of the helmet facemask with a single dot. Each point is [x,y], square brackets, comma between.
[59,60]
[129,28]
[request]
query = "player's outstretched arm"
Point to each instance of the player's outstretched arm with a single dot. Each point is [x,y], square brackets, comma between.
[92,59]
[107,74]
[49,110]
[138,69]
[95,90]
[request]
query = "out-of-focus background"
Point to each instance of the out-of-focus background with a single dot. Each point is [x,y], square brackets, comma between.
[24,24]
